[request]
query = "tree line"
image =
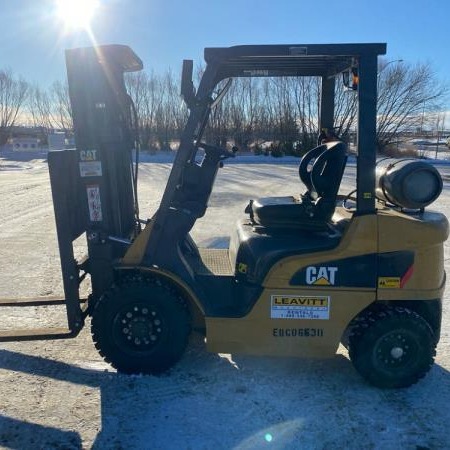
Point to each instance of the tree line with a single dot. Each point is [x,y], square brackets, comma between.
[282,111]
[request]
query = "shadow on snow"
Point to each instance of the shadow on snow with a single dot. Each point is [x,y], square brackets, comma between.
[244,402]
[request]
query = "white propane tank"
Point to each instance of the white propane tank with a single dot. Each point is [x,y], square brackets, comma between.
[407,183]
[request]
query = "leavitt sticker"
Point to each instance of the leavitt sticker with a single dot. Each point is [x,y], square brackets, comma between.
[300,307]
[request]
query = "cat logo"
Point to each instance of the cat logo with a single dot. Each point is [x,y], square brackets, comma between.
[321,276]
[88,155]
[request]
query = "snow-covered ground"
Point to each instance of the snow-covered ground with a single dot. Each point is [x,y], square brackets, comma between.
[60,394]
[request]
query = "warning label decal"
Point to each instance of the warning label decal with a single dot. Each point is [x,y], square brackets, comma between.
[389,282]
[300,307]
[95,205]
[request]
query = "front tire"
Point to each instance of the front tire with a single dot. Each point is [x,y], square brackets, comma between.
[141,326]
[392,348]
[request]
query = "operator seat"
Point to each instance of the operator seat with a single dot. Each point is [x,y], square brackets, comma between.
[321,171]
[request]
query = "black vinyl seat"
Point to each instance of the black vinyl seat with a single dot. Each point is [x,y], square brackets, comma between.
[321,171]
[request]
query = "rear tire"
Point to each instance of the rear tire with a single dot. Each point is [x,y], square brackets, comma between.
[141,326]
[392,348]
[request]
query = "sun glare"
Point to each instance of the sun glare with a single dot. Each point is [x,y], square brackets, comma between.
[76,14]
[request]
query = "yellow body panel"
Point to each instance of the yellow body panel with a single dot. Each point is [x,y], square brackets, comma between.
[259,334]
[403,232]
[388,231]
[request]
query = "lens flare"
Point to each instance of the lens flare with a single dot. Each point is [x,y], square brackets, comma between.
[76,14]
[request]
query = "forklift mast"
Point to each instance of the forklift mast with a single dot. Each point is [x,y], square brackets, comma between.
[103,126]
[94,185]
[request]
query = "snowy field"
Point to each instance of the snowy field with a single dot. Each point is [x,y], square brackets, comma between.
[61,395]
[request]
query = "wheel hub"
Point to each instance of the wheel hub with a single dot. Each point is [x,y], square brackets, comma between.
[139,327]
[395,349]
[397,352]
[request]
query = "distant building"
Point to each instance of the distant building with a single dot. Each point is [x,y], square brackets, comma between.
[56,141]
[21,138]
[24,139]
[23,143]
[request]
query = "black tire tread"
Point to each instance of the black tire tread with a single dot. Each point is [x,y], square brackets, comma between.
[363,330]
[139,282]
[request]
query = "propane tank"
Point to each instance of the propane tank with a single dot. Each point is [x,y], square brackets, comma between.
[407,183]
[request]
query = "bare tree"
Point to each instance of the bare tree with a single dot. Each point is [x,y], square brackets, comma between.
[177,111]
[218,130]
[405,93]
[240,111]
[137,84]
[346,102]
[40,108]
[283,110]
[147,93]
[440,129]
[62,117]
[13,93]
[165,117]
[306,92]
[280,101]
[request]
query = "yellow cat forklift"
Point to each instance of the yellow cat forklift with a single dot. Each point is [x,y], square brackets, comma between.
[301,274]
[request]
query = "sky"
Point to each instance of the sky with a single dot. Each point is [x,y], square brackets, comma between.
[164,32]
